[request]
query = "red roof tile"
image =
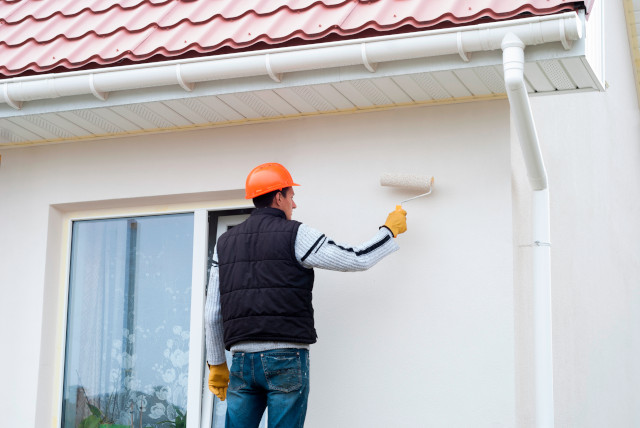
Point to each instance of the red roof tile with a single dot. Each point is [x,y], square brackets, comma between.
[39,36]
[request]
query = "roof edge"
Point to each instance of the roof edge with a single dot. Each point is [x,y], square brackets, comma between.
[279,61]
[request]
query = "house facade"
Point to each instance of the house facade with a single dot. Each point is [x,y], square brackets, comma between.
[118,173]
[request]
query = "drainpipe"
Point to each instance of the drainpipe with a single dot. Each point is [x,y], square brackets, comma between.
[513,59]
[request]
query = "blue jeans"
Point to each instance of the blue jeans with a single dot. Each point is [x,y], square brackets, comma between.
[277,380]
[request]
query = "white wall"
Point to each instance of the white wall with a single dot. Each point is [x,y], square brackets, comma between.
[591,146]
[424,339]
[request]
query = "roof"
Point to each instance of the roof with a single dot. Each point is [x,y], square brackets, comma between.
[47,36]
[304,58]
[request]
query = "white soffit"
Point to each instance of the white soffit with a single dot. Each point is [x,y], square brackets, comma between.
[461,77]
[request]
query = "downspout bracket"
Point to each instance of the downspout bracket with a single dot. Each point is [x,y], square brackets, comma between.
[15,104]
[566,43]
[276,77]
[365,59]
[183,84]
[466,56]
[102,96]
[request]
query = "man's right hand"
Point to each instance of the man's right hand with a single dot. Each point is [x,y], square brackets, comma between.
[397,221]
[219,380]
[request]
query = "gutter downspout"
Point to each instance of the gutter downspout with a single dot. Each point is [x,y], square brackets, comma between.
[513,59]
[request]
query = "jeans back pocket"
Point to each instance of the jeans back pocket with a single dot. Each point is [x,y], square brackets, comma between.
[283,370]
[236,377]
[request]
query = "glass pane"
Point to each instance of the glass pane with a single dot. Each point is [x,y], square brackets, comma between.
[127,346]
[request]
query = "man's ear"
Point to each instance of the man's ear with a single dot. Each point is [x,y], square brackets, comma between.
[276,202]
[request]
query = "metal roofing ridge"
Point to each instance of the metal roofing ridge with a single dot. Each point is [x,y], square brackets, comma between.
[371,24]
[66,62]
[90,7]
[474,28]
[297,34]
[34,39]
[487,13]
[163,3]
[156,22]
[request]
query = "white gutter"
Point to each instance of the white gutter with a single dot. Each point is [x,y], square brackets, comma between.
[513,61]
[274,63]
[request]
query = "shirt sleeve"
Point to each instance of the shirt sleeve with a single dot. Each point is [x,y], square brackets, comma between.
[213,317]
[316,250]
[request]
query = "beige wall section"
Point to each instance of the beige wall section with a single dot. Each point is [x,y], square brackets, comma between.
[591,146]
[426,337]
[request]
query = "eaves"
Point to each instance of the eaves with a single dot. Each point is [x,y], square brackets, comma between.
[463,64]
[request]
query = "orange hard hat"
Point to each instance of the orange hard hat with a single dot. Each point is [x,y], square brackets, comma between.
[266,178]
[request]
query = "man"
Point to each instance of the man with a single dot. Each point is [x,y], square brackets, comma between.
[259,301]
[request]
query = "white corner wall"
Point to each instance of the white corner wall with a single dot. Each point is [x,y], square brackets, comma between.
[426,338]
[591,146]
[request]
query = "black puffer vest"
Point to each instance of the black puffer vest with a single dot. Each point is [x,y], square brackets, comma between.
[265,294]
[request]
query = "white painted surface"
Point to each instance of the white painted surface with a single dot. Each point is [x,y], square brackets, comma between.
[425,337]
[590,143]
[196,327]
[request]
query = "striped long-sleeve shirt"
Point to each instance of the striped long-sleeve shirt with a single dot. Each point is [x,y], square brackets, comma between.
[313,250]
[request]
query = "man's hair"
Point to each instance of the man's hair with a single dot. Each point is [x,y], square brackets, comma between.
[265,200]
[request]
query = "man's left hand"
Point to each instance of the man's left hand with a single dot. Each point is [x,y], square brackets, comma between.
[219,380]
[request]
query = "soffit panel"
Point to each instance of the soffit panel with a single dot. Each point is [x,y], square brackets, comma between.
[349,89]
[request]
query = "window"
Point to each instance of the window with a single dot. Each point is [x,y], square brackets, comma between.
[128,321]
[134,344]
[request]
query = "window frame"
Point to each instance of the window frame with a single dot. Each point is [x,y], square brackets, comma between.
[196,384]
[208,404]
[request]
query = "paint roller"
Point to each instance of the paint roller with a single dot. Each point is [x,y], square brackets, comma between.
[419,183]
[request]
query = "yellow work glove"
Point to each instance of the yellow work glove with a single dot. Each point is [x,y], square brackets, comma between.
[219,380]
[397,221]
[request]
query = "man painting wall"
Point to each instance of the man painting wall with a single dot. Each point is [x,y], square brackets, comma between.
[259,302]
